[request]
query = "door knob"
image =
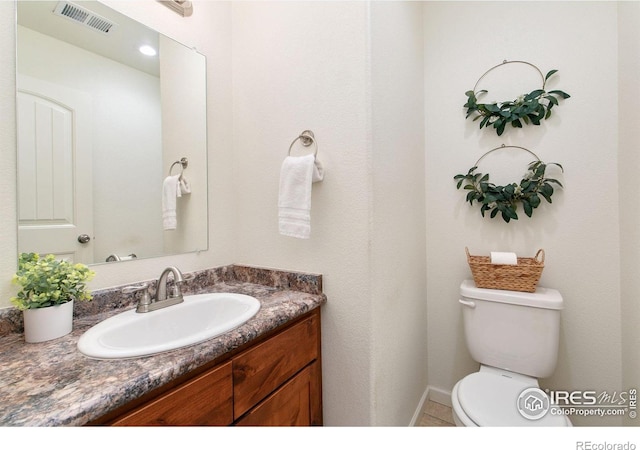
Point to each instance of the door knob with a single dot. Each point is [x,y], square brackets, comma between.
[84,238]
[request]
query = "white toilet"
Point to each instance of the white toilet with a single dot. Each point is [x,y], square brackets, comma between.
[514,336]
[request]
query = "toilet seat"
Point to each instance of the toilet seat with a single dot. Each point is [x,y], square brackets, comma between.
[490,399]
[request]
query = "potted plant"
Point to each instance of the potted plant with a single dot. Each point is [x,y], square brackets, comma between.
[48,289]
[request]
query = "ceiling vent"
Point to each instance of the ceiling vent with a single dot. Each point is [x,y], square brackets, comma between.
[84,17]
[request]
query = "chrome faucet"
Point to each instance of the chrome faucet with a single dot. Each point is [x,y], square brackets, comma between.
[148,304]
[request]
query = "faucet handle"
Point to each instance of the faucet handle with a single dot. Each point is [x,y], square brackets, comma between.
[145,301]
[135,288]
[188,277]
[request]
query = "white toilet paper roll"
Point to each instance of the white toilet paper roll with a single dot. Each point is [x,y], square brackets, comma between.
[507,258]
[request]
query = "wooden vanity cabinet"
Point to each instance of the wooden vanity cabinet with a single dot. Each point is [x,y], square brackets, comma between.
[205,400]
[282,377]
[277,381]
[288,405]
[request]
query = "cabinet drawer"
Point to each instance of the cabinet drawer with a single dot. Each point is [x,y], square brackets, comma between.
[205,400]
[261,370]
[288,406]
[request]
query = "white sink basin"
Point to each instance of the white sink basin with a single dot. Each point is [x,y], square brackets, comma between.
[198,318]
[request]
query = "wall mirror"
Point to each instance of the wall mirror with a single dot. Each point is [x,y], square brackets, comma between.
[101,128]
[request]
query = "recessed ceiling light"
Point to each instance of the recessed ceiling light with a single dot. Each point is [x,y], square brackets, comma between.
[148,50]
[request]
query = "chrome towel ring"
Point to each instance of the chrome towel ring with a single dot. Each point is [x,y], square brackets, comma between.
[184,162]
[306,138]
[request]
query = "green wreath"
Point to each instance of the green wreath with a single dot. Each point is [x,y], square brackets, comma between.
[529,108]
[505,199]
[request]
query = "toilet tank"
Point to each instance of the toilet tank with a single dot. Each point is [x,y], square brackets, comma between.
[515,331]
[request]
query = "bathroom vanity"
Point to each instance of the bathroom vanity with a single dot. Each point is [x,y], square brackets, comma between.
[265,372]
[276,381]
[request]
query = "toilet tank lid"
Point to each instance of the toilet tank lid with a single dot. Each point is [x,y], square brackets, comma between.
[542,298]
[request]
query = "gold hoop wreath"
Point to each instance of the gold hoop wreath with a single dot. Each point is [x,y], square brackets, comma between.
[527,109]
[505,199]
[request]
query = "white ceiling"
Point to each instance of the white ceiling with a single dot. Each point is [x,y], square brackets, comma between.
[120,44]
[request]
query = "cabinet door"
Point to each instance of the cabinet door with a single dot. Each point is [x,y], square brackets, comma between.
[288,406]
[262,369]
[204,400]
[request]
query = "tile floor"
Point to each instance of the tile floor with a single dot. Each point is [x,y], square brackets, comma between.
[436,415]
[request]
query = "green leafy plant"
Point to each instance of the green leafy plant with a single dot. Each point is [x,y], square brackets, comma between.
[529,108]
[47,281]
[505,199]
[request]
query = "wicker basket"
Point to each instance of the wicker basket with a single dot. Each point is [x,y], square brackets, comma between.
[522,277]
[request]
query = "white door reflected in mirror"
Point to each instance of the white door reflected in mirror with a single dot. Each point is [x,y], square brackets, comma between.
[99,169]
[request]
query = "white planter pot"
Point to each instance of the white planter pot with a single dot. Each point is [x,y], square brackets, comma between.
[44,324]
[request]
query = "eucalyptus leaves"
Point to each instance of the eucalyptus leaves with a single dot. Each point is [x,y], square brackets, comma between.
[48,281]
[505,199]
[529,108]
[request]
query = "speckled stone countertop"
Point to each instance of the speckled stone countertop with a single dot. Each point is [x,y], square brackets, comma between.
[52,384]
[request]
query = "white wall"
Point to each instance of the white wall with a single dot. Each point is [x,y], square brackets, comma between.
[292,74]
[337,68]
[398,260]
[629,164]
[579,231]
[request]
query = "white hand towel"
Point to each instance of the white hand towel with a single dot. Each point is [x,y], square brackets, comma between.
[294,200]
[170,191]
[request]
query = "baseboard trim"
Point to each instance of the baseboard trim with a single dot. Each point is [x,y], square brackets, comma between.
[439,395]
[420,408]
[431,393]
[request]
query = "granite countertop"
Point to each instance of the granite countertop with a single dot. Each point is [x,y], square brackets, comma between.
[53,384]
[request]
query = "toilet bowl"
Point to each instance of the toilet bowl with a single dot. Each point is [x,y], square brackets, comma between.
[489,398]
[515,338]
